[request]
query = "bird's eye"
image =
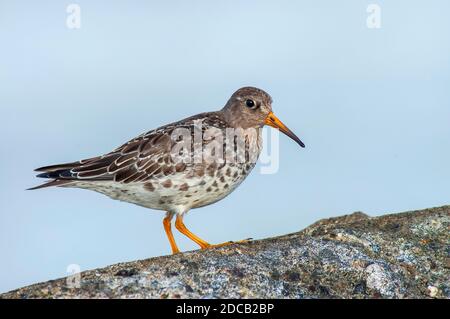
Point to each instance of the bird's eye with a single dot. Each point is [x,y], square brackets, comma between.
[250,103]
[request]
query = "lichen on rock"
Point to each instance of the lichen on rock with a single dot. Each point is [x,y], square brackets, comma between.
[403,255]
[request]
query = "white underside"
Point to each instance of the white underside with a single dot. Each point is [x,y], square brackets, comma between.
[170,199]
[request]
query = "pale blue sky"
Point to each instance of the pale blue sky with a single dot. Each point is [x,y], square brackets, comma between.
[372,106]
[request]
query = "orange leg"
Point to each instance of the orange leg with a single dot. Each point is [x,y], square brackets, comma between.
[182,228]
[168,229]
[203,244]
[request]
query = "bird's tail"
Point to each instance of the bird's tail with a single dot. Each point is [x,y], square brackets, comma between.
[51,183]
[59,173]
[59,167]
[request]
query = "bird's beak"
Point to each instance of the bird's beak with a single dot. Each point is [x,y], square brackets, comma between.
[273,121]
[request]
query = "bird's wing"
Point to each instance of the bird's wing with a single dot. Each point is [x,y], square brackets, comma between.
[143,158]
[138,160]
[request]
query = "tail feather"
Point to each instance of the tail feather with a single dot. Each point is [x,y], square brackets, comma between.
[67,173]
[58,167]
[63,173]
[51,183]
[59,173]
[66,166]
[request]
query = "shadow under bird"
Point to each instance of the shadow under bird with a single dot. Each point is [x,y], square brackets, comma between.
[143,171]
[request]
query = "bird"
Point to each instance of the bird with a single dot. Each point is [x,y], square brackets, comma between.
[166,168]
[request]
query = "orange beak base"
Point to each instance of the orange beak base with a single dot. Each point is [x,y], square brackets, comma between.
[273,121]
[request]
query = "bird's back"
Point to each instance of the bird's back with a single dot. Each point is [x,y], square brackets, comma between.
[147,171]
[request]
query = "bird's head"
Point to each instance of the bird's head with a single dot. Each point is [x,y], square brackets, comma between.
[252,107]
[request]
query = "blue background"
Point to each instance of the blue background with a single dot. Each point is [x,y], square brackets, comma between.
[372,106]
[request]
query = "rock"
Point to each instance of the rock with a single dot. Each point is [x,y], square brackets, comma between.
[433,291]
[354,256]
[379,280]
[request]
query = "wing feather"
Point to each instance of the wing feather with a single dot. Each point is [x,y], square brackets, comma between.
[139,160]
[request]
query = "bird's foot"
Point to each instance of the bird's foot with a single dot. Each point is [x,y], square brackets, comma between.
[245,241]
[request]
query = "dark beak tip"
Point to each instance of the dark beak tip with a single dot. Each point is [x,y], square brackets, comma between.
[298,141]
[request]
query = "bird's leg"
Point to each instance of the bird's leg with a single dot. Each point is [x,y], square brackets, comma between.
[182,228]
[203,244]
[168,228]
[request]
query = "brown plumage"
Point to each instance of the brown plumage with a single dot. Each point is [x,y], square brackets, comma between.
[142,171]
